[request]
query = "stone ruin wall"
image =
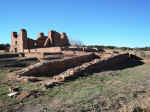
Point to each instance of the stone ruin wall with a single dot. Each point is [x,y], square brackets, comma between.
[40,52]
[50,49]
[9,55]
[111,61]
[89,67]
[58,66]
[21,43]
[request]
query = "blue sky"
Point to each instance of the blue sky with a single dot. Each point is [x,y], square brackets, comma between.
[100,22]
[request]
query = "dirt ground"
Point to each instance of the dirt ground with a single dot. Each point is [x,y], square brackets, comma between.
[124,88]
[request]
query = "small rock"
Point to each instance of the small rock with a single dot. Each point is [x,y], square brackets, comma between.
[49,84]
[14,89]
[18,76]
[12,94]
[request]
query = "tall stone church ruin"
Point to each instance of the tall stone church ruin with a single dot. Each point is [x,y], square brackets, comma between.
[21,42]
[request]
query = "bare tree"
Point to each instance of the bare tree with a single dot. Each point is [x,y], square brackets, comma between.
[76,43]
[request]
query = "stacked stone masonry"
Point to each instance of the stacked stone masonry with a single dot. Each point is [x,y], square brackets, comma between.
[85,67]
[61,65]
[22,43]
[85,64]
[56,66]
[94,64]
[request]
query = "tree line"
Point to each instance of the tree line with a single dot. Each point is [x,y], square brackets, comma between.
[4,46]
[122,48]
[79,43]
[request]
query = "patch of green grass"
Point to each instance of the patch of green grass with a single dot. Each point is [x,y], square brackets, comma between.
[4,91]
[101,90]
[85,90]
[2,75]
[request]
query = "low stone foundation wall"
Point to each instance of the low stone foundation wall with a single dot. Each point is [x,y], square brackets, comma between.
[56,66]
[110,61]
[73,53]
[86,67]
[34,54]
[145,55]
[67,69]
[8,55]
[2,51]
[40,54]
[48,50]
[96,64]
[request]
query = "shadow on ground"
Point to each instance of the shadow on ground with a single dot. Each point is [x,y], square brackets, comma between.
[127,64]
[133,61]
